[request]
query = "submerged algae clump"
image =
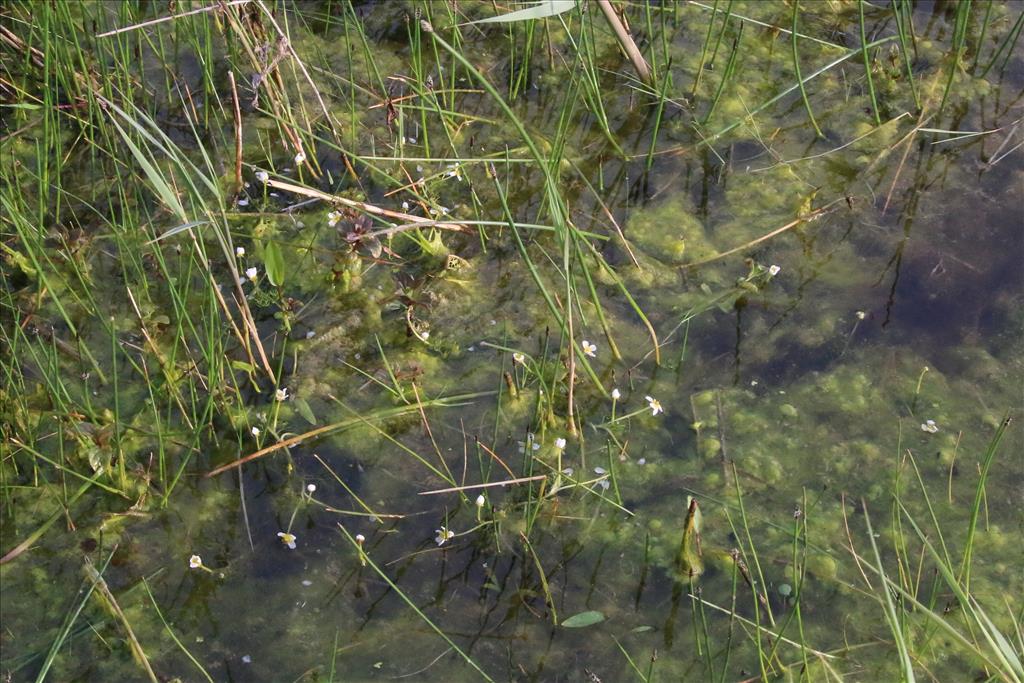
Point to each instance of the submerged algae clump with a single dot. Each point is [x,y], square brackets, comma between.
[669,233]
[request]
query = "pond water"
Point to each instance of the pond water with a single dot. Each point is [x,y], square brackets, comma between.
[821,391]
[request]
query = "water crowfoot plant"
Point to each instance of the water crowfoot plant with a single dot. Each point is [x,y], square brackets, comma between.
[329,317]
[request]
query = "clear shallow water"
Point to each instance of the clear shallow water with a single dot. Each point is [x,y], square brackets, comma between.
[807,394]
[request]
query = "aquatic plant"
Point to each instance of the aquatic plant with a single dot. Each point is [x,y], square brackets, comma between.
[613,339]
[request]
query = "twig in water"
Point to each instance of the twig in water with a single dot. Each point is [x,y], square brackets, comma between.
[778,231]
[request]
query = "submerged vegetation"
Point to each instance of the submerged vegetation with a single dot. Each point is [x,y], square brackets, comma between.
[353,340]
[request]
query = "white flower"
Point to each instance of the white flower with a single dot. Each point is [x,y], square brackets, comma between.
[560,443]
[519,358]
[480,501]
[453,171]
[287,538]
[255,431]
[615,394]
[360,539]
[531,443]
[861,315]
[195,562]
[443,535]
[655,405]
[600,470]
[300,157]
[589,349]
[605,484]
[310,488]
[262,176]
[929,426]
[774,270]
[641,461]
[281,394]
[239,252]
[251,273]
[310,334]
[332,218]
[405,206]
[242,201]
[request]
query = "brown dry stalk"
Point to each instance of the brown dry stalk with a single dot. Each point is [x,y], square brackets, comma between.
[411,222]
[9,37]
[175,390]
[108,597]
[496,457]
[626,41]
[426,426]
[302,68]
[778,231]
[238,132]
[172,17]
[570,421]
[243,307]
[270,449]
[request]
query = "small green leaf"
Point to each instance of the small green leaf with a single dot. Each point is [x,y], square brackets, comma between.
[304,410]
[641,629]
[583,619]
[19,260]
[689,560]
[97,458]
[273,261]
[243,366]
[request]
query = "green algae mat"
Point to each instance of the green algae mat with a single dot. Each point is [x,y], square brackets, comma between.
[544,341]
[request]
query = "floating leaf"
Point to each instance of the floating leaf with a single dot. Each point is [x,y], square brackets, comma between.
[541,10]
[583,619]
[304,410]
[273,261]
[689,561]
